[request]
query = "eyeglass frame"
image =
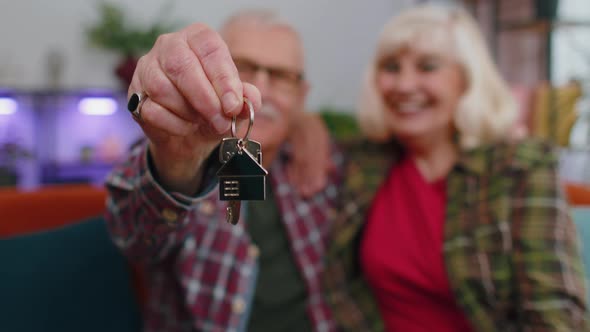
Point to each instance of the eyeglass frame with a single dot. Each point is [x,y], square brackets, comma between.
[290,78]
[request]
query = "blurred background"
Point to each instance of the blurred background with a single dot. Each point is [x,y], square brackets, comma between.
[65,66]
[64,70]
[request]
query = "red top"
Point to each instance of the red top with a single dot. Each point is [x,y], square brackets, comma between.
[401,254]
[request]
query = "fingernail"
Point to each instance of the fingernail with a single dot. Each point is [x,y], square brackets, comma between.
[230,102]
[220,123]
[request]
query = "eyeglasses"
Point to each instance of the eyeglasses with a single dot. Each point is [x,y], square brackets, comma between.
[280,78]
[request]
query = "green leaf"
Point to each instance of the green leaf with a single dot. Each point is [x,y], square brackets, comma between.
[113,32]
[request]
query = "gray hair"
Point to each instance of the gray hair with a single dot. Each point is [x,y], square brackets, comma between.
[267,17]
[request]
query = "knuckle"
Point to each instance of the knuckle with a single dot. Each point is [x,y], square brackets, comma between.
[176,64]
[141,62]
[162,39]
[206,44]
[155,84]
[173,55]
[224,80]
[139,73]
[196,27]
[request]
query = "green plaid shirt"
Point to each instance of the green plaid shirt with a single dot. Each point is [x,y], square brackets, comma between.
[510,249]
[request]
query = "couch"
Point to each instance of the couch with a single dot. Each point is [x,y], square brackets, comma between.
[60,269]
[61,272]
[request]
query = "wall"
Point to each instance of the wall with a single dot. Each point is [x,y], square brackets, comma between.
[339,37]
[571,45]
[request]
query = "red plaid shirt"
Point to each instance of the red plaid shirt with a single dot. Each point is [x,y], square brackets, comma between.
[199,268]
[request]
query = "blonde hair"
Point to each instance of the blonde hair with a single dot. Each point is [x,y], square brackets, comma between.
[486,111]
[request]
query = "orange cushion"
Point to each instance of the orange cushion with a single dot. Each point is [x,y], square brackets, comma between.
[577,193]
[48,207]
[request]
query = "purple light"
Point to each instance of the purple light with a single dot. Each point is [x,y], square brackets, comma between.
[97,106]
[7,105]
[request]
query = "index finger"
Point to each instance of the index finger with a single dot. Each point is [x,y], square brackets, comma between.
[219,67]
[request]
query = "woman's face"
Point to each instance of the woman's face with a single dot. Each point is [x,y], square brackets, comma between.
[420,92]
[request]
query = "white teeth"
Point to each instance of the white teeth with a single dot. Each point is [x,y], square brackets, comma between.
[268,111]
[411,107]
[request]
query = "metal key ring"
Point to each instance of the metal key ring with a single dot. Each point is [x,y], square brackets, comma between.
[250,124]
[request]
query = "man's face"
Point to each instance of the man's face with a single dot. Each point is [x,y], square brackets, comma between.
[271,58]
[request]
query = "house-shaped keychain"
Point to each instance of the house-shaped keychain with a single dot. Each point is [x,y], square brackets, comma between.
[242,178]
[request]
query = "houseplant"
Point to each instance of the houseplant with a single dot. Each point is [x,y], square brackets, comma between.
[115,32]
[340,122]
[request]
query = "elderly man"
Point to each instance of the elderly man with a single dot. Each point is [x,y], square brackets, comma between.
[203,273]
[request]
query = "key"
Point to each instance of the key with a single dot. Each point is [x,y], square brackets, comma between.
[229,146]
[241,176]
[233,212]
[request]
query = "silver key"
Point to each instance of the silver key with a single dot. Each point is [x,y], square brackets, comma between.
[233,212]
[229,146]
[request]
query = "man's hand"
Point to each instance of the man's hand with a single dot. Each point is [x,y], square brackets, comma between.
[194,90]
[311,160]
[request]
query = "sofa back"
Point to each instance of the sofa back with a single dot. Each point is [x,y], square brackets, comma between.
[24,212]
[60,269]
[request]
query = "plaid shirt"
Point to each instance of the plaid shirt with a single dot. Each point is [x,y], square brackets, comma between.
[200,269]
[510,247]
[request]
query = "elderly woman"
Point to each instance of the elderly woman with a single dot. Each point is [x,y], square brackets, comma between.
[448,225]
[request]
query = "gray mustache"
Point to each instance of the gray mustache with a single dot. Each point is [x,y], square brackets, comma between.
[269,111]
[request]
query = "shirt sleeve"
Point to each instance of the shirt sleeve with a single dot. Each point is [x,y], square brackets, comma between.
[546,257]
[145,221]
